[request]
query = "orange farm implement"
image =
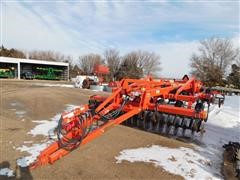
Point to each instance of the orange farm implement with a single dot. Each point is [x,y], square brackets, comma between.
[162,106]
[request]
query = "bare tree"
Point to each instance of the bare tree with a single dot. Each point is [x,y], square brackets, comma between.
[139,63]
[214,57]
[130,67]
[47,55]
[113,61]
[149,62]
[15,53]
[238,59]
[87,62]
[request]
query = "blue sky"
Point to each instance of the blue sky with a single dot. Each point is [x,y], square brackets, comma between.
[172,29]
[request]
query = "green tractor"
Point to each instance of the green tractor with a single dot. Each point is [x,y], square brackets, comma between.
[7,73]
[48,73]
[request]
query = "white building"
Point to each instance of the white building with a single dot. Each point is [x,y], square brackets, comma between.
[60,70]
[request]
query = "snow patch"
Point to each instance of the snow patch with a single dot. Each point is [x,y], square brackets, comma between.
[45,128]
[223,125]
[181,161]
[54,85]
[33,150]
[6,172]
[28,142]
[20,114]
[14,104]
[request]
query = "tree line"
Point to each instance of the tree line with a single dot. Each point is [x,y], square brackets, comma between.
[134,64]
[217,62]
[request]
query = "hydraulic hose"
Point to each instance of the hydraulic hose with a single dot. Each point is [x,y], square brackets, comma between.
[70,144]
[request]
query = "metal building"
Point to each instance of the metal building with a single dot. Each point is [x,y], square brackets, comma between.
[49,70]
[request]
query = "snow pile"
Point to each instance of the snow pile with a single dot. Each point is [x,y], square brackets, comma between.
[222,126]
[20,114]
[33,150]
[6,172]
[54,85]
[182,161]
[228,116]
[45,128]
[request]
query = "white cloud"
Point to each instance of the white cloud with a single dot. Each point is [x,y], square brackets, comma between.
[174,56]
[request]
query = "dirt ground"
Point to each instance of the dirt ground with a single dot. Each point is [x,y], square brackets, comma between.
[92,161]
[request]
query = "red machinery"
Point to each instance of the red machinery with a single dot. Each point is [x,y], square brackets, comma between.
[164,105]
[100,71]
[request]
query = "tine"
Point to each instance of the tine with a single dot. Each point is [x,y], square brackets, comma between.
[156,119]
[183,132]
[144,119]
[147,119]
[190,124]
[194,126]
[182,123]
[127,122]
[174,120]
[132,120]
[169,123]
[138,120]
[158,122]
[176,126]
[161,122]
[199,125]
[150,125]
[153,121]
[164,122]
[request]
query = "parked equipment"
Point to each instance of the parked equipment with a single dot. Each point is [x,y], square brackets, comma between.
[162,106]
[6,73]
[47,73]
[27,75]
[100,72]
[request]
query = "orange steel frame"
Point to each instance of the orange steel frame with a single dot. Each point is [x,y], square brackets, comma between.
[147,91]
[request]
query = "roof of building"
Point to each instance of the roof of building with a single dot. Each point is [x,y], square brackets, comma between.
[32,61]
